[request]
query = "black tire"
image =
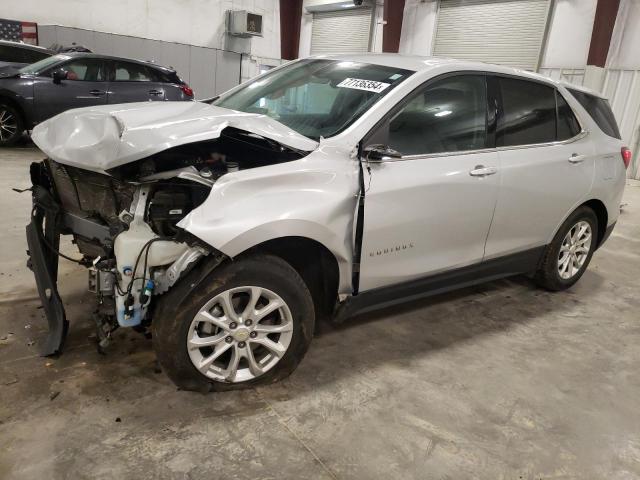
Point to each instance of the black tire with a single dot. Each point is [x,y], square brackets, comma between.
[547,275]
[176,310]
[11,114]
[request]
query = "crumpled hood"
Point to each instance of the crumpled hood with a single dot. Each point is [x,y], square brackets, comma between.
[103,137]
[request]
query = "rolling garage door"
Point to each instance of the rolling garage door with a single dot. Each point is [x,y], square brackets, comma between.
[344,31]
[506,32]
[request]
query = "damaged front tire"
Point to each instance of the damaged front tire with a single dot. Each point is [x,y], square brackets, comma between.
[246,323]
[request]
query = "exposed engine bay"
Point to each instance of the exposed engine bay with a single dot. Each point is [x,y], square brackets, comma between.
[125,224]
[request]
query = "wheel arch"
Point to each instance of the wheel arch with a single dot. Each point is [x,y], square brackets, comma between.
[600,210]
[315,263]
[10,100]
[602,215]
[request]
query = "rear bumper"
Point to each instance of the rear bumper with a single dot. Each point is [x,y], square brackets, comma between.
[42,237]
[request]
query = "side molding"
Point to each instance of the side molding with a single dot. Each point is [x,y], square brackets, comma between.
[518,263]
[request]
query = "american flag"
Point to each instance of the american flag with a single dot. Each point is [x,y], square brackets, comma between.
[16,31]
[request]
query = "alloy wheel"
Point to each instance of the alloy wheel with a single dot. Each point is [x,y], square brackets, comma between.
[240,334]
[574,250]
[8,125]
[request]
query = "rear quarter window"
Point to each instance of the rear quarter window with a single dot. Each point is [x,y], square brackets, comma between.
[600,111]
[10,54]
[32,56]
[169,77]
[20,54]
[568,125]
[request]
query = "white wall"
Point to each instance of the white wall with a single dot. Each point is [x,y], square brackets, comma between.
[253,66]
[377,27]
[306,25]
[625,42]
[193,22]
[569,34]
[418,27]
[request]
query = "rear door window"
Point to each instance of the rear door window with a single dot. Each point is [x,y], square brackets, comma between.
[600,111]
[528,114]
[32,56]
[568,125]
[133,72]
[10,54]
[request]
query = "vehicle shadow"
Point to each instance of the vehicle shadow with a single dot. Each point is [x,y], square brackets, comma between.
[402,333]
[395,335]
[24,142]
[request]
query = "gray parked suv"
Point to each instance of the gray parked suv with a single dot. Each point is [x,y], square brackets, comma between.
[41,90]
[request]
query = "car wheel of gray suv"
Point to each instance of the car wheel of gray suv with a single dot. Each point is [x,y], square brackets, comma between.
[11,125]
[568,255]
[249,323]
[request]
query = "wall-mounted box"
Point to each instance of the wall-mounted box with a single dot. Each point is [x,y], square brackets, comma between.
[241,23]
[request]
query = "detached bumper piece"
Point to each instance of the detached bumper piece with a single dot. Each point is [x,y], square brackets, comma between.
[43,239]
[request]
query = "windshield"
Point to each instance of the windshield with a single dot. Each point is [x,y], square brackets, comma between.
[43,64]
[316,98]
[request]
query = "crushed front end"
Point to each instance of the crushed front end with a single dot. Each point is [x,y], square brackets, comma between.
[120,179]
[126,232]
[125,223]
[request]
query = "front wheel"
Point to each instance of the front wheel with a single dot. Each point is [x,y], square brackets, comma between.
[568,255]
[11,125]
[250,324]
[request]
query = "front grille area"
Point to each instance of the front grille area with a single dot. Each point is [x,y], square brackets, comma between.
[90,198]
[90,194]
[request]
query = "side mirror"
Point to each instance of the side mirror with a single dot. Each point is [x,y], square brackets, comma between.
[380,153]
[59,75]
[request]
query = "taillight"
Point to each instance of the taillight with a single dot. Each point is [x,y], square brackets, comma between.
[187,90]
[626,156]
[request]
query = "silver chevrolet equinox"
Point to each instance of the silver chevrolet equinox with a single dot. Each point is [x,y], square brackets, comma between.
[327,187]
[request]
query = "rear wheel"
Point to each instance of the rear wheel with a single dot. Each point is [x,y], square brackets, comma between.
[251,324]
[568,255]
[11,125]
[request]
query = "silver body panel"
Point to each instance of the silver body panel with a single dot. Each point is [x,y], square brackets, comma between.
[314,197]
[425,215]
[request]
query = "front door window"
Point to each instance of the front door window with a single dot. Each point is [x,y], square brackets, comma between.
[447,116]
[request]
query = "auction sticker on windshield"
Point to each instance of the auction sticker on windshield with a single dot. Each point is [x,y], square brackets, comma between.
[367,85]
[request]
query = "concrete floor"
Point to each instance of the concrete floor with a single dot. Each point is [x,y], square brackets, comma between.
[501,381]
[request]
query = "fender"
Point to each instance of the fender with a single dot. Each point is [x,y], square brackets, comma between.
[602,192]
[314,197]
[583,199]
[340,249]
[24,103]
[5,93]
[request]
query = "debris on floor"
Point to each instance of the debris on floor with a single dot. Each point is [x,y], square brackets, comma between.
[6,338]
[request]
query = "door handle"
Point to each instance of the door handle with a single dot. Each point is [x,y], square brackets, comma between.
[482,171]
[575,158]
[97,93]
[155,92]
